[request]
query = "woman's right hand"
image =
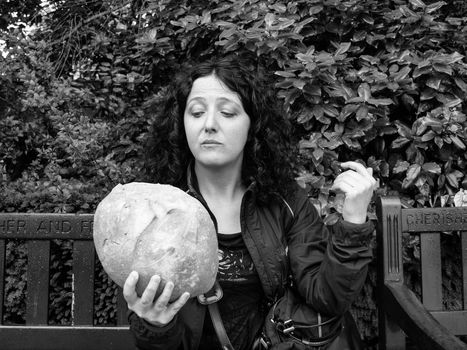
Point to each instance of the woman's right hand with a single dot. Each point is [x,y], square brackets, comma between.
[158,312]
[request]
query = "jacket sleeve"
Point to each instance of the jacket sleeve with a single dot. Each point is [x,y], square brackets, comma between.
[329,263]
[150,337]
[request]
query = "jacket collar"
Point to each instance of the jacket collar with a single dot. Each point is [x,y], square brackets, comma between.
[193,187]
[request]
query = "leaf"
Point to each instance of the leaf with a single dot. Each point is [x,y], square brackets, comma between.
[285,84]
[368,19]
[281,8]
[402,74]
[400,167]
[318,111]
[439,142]
[408,101]
[399,142]
[452,180]
[285,74]
[457,142]
[380,101]
[298,83]
[364,91]
[412,174]
[227,33]
[421,71]
[269,19]
[453,103]
[432,167]
[461,84]
[434,82]
[460,198]
[206,17]
[318,154]
[403,129]
[285,24]
[362,112]
[435,6]
[304,117]
[443,68]
[359,36]
[343,47]
[430,135]
[427,94]
[330,111]
[315,9]
[350,143]
[312,89]
[418,3]
[347,111]
[355,100]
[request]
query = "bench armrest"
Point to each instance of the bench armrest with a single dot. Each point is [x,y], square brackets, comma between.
[404,308]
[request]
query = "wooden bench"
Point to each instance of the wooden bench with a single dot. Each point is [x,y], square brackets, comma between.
[38,231]
[400,311]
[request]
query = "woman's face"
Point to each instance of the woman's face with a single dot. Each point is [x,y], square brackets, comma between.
[216,125]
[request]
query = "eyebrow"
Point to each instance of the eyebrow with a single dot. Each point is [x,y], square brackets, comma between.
[221,99]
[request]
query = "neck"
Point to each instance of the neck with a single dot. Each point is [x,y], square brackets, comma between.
[224,182]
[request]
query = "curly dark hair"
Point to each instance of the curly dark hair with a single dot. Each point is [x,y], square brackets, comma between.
[269,156]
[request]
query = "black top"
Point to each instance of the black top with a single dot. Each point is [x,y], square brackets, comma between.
[241,305]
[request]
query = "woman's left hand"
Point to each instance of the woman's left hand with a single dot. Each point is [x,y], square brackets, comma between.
[358,185]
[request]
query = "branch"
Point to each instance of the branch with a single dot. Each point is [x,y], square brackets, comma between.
[90,19]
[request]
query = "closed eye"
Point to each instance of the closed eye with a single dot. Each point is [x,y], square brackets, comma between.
[197,114]
[228,114]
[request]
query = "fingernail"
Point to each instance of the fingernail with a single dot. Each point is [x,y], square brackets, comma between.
[155,279]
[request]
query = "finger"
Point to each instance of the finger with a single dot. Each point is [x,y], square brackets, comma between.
[150,290]
[343,187]
[360,183]
[164,298]
[351,176]
[129,288]
[178,304]
[367,180]
[359,168]
[346,182]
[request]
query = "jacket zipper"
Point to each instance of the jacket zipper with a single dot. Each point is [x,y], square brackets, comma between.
[253,256]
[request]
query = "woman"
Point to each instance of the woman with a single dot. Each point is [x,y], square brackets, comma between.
[222,138]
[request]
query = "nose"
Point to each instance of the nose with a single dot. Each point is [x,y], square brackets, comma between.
[210,123]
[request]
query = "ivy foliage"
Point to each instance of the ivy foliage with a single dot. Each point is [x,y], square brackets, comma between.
[380,81]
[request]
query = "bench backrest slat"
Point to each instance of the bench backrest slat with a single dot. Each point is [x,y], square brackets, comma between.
[37,282]
[430,256]
[464,263]
[45,226]
[452,320]
[434,219]
[83,282]
[122,309]
[2,274]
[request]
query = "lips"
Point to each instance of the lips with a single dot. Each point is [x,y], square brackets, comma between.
[210,142]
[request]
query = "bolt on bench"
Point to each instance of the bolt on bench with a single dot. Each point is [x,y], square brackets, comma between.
[38,231]
[400,311]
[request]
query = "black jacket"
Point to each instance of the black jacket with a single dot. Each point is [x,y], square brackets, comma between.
[328,264]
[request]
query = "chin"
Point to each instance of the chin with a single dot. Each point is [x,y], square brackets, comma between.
[213,162]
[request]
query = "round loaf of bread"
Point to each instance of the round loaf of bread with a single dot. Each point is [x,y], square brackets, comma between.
[156,229]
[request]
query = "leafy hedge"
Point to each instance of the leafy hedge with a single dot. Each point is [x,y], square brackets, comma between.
[379,81]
